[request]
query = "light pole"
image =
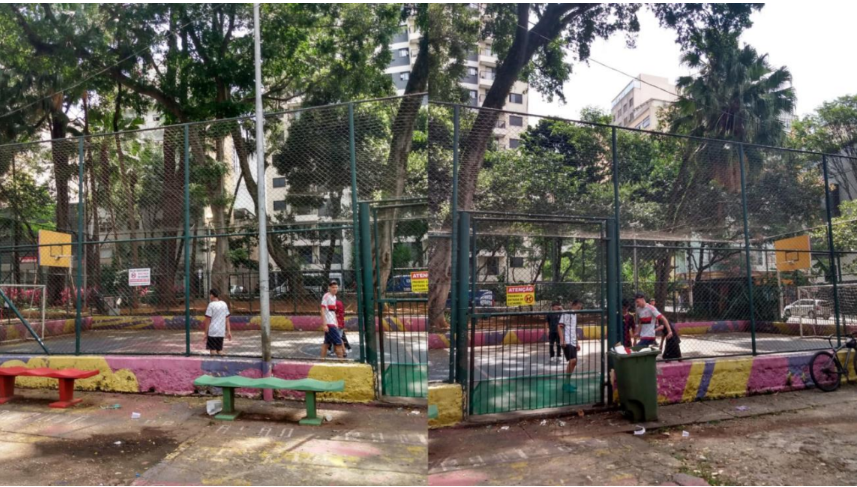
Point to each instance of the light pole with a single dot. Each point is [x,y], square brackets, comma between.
[264,291]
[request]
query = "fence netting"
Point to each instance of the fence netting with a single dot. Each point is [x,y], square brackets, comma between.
[145,223]
[746,249]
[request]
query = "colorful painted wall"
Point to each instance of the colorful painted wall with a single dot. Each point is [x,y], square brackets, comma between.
[175,375]
[448,398]
[534,335]
[238,323]
[733,377]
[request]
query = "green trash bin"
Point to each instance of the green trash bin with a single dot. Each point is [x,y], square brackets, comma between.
[637,383]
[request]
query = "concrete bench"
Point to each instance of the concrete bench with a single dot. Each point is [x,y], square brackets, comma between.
[308,386]
[66,379]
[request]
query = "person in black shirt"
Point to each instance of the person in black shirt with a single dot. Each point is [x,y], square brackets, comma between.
[553,331]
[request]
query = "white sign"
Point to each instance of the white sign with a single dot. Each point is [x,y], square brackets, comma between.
[139,277]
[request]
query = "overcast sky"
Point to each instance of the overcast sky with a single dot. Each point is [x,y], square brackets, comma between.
[813,41]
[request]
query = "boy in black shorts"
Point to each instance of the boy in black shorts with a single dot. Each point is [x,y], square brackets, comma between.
[553,331]
[570,347]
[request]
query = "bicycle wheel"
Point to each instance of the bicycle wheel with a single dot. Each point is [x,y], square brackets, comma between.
[824,371]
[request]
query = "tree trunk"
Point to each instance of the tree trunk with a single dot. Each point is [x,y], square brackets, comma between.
[131,213]
[400,148]
[220,266]
[276,250]
[61,150]
[171,210]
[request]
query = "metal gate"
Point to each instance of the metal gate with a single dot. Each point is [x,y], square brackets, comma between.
[517,268]
[399,293]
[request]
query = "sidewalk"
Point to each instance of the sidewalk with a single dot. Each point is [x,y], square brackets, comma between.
[175,442]
[753,440]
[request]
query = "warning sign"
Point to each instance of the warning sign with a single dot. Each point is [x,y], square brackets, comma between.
[139,277]
[419,282]
[520,295]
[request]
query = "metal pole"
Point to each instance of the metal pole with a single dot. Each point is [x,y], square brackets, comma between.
[615,319]
[264,292]
[462,363]
[187,239]
[355,217]
[368,291]
[455,275]
[747,247]
[832,250]
[80,239]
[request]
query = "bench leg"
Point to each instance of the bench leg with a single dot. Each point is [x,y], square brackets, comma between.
[66,387]
[311,418]
[7,388]
[228,413]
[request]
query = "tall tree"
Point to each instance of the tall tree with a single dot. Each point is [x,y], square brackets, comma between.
[530,41]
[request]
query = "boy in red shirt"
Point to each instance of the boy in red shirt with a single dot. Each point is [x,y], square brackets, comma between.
[340,320]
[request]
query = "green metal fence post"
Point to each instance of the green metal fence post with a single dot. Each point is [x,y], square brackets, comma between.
[187,239]
[361,291]
[462,364]
[78,320]
[747,247]
[828,205]
[455,317]
[368,292]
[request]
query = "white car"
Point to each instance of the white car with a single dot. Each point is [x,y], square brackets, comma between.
[808,308]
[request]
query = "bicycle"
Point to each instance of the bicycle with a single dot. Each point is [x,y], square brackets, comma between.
[827,370]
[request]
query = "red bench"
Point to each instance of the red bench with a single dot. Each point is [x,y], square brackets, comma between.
[66,382]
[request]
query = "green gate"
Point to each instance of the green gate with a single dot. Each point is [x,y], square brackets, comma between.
[512,269]
[394,268]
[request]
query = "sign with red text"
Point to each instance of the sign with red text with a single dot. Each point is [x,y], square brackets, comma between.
[520,295]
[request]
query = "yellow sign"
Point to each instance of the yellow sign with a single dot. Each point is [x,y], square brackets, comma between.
[520,295]
[419,282]
[54,249]
[793,253]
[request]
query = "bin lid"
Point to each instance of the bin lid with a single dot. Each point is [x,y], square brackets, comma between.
[635,354]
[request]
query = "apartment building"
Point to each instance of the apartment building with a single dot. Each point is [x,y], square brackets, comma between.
[481,64]
[638,104]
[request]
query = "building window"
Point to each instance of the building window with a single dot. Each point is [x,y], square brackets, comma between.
[487,51]
[304,210]
[472,95]
[324,251]
[488,73]
[646,123]
[471,71]
[514,143]
[305,254]
[414,52]
[405,76]
[279,182]
[516,121]
[516,98]
[279,205]
[492,266]
[403,52]
[516,262]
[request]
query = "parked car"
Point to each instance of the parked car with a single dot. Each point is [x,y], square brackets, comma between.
[399,284]
[808,308]
[315,284]
[484,298]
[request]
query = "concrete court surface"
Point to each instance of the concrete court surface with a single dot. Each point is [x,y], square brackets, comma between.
[403,347]
[796,438]
[176,443]
[532,358]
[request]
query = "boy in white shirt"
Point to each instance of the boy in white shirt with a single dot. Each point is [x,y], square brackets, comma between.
[651,321]
[332,335]
[568,339]
[216,324]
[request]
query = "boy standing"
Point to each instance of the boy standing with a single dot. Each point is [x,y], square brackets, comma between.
[553,331]
[216,323]
[331,326]
[651,322]
[570,347]
[628,324]
[340,320]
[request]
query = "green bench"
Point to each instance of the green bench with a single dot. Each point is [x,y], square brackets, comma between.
[229,384]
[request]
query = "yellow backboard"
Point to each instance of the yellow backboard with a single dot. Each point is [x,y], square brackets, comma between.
[54,249]
[793,253]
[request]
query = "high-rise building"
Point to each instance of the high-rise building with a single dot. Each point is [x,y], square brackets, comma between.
[638,104]
[480,69]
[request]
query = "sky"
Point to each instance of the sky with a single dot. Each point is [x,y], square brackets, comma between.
[811,41]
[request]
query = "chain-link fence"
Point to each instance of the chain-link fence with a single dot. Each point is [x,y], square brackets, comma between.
[126,233]
[740,246]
